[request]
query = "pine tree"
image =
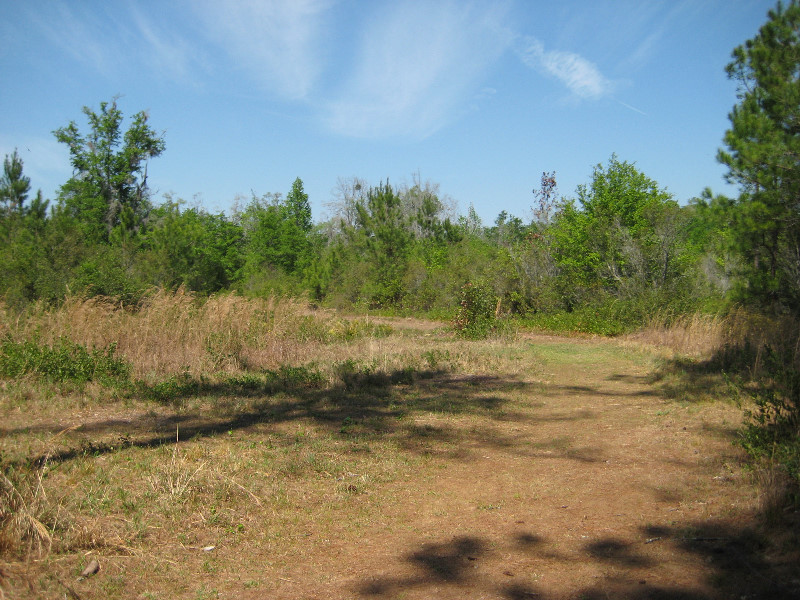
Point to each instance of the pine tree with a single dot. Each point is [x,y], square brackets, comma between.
[14,186]
[763,157]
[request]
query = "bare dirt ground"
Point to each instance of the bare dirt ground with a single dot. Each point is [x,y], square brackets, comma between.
[557,471]
[599,488]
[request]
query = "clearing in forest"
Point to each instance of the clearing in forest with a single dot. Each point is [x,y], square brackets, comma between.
[527,467]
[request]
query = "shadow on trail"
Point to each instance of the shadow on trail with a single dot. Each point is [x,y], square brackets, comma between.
[693,381]
[363,407]
[449,563]
[735,558]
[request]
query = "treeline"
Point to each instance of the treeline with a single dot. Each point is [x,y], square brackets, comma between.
[624,244]
[622,249]
[617,251]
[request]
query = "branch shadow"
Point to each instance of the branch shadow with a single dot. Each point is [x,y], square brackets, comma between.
[741,567]
[447,562]
[369,407]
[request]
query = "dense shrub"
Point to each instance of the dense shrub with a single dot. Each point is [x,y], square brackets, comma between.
[65,361]
[476,314]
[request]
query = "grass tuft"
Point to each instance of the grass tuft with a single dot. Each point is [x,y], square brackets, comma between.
[23,509]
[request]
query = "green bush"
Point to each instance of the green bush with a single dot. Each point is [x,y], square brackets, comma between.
[65,361]
[476,314]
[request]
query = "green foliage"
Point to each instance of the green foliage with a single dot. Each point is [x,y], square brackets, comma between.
[107,274]
[38,256]
[625,237]
[476,314]
[191,247]
[277,242]
[608,318]
[298,210]
[762,148]
[382,234]
[109,184]
[14,186]
[65,361]
[173,388]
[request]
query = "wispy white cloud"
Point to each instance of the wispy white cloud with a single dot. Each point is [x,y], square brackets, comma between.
[80,34]
[117,43]
[416,66]
[163,50]
[278,41]
[578,74]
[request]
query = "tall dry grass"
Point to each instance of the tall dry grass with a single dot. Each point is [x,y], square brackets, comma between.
[23,506]
[174,332]
[703,336]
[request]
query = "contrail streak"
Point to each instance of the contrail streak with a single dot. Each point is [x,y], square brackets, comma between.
[633,108]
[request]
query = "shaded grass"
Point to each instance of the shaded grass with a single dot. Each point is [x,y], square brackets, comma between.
[754,361]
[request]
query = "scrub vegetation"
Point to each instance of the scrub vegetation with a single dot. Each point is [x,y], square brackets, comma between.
[257,371]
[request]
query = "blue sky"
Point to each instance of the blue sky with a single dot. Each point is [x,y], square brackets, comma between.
[479,97]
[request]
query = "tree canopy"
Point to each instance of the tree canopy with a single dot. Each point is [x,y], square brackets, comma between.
[108,187]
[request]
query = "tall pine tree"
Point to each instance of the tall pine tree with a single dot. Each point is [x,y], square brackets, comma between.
[763,157]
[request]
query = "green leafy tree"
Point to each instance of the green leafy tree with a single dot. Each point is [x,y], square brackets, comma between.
[763,146]
[618,239]
[109,183]
[190,247]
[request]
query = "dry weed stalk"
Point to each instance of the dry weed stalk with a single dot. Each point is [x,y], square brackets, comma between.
[702,335]
[177,477]
[692,335]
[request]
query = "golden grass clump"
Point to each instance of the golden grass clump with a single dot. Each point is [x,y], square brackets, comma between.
[702,335]
[694,335]
[174,332]
[22,508]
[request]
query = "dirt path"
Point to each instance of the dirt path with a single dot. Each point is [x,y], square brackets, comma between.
[592,486]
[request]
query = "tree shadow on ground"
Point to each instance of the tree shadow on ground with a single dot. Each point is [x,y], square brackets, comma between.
[376,405]
[740,563]
[434,564]
[692,380]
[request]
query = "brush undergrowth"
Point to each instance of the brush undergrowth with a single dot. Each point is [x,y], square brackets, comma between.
[174,353]
[477,314]
[65,361]
[755,359]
